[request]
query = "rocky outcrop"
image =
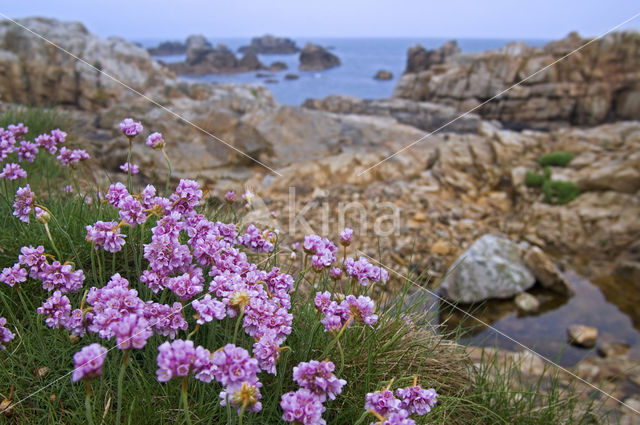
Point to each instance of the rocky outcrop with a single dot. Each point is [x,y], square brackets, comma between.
[202,58]
[268,44]
[420,59]
[36,73]
[490,268]
[168,48]
[383,75]
[278,66]
[597,84]
[316,58]
[423,115]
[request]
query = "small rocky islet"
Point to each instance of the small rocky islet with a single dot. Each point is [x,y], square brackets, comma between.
[452,189]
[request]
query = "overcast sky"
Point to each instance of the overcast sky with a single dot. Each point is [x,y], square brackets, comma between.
[175,19]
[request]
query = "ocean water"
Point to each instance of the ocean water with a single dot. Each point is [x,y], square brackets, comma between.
[361,58]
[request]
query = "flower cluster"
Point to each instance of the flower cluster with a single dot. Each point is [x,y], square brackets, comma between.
[70,157]
[5,334]
[13,275]
[322,251]
[179,358]
[129,166]
[318,378]
[236,370]
[130,128]
[391,410]
[105,235]
[317,383]
[364,271]
[258,241]
[23,204]
[88,362]
[337,315]
[13,171]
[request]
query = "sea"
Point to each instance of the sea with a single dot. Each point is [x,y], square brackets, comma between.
[361,58]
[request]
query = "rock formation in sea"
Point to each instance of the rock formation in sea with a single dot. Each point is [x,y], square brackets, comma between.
[268,44]
[317,58]
[203,58]
[383,75]
[597,84]
[168,48]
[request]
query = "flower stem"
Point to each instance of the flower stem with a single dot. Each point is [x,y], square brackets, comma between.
[166,158]
[194,331]
[123,367]
[87,403]
[184,400]
[53,244]
[244,406]
[235,332]
[129,181]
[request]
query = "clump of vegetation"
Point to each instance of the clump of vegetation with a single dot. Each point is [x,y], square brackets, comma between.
[556,159]
[559,192]
[202,320]
[555,191]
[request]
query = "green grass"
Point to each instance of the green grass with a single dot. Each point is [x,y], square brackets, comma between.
[533,179]
[559,192]
[556,159]
[401,345]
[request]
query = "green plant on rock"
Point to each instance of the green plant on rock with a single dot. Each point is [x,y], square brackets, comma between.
[559,192]
[556,159]
[533,179]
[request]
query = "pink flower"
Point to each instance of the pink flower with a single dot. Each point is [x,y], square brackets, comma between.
[130,128]
[417,399]
[88,362]
[13,171]
[13,275]
[131,331]
[27,151]
[155,141]
[318,378]
[345,236]
[302,407]
[23,205]
[105,235]
[179,358]
[134,168]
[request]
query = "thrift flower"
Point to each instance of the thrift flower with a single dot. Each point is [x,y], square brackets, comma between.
[68,189]
[131,331]
[209,308]
[134,168]
[27,151]
[245,395]
[13,171]
[230,197]
[130,128]
[5,334]
[417,400]
[179,358]
[105,235]
[364,271]
[56,309]
[302,407]
[345,236]
[155,141]
[318,378]
[47,142]
[13,275]
[233,365]
[88,362]
[382,402]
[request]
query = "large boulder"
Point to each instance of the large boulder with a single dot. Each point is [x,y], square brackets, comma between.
[168,48]
[597,84]
[35,72]
[420,59]
[203,58]
[317,58]
[268,44]
[490,268]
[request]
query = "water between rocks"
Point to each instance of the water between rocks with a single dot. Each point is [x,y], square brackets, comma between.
[609,304]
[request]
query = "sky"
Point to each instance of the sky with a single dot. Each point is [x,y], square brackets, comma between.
[176,19]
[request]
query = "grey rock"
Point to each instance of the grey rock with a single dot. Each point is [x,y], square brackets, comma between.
[268,44]
[582,336]
[527,302]
[490,268]
[316,58]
